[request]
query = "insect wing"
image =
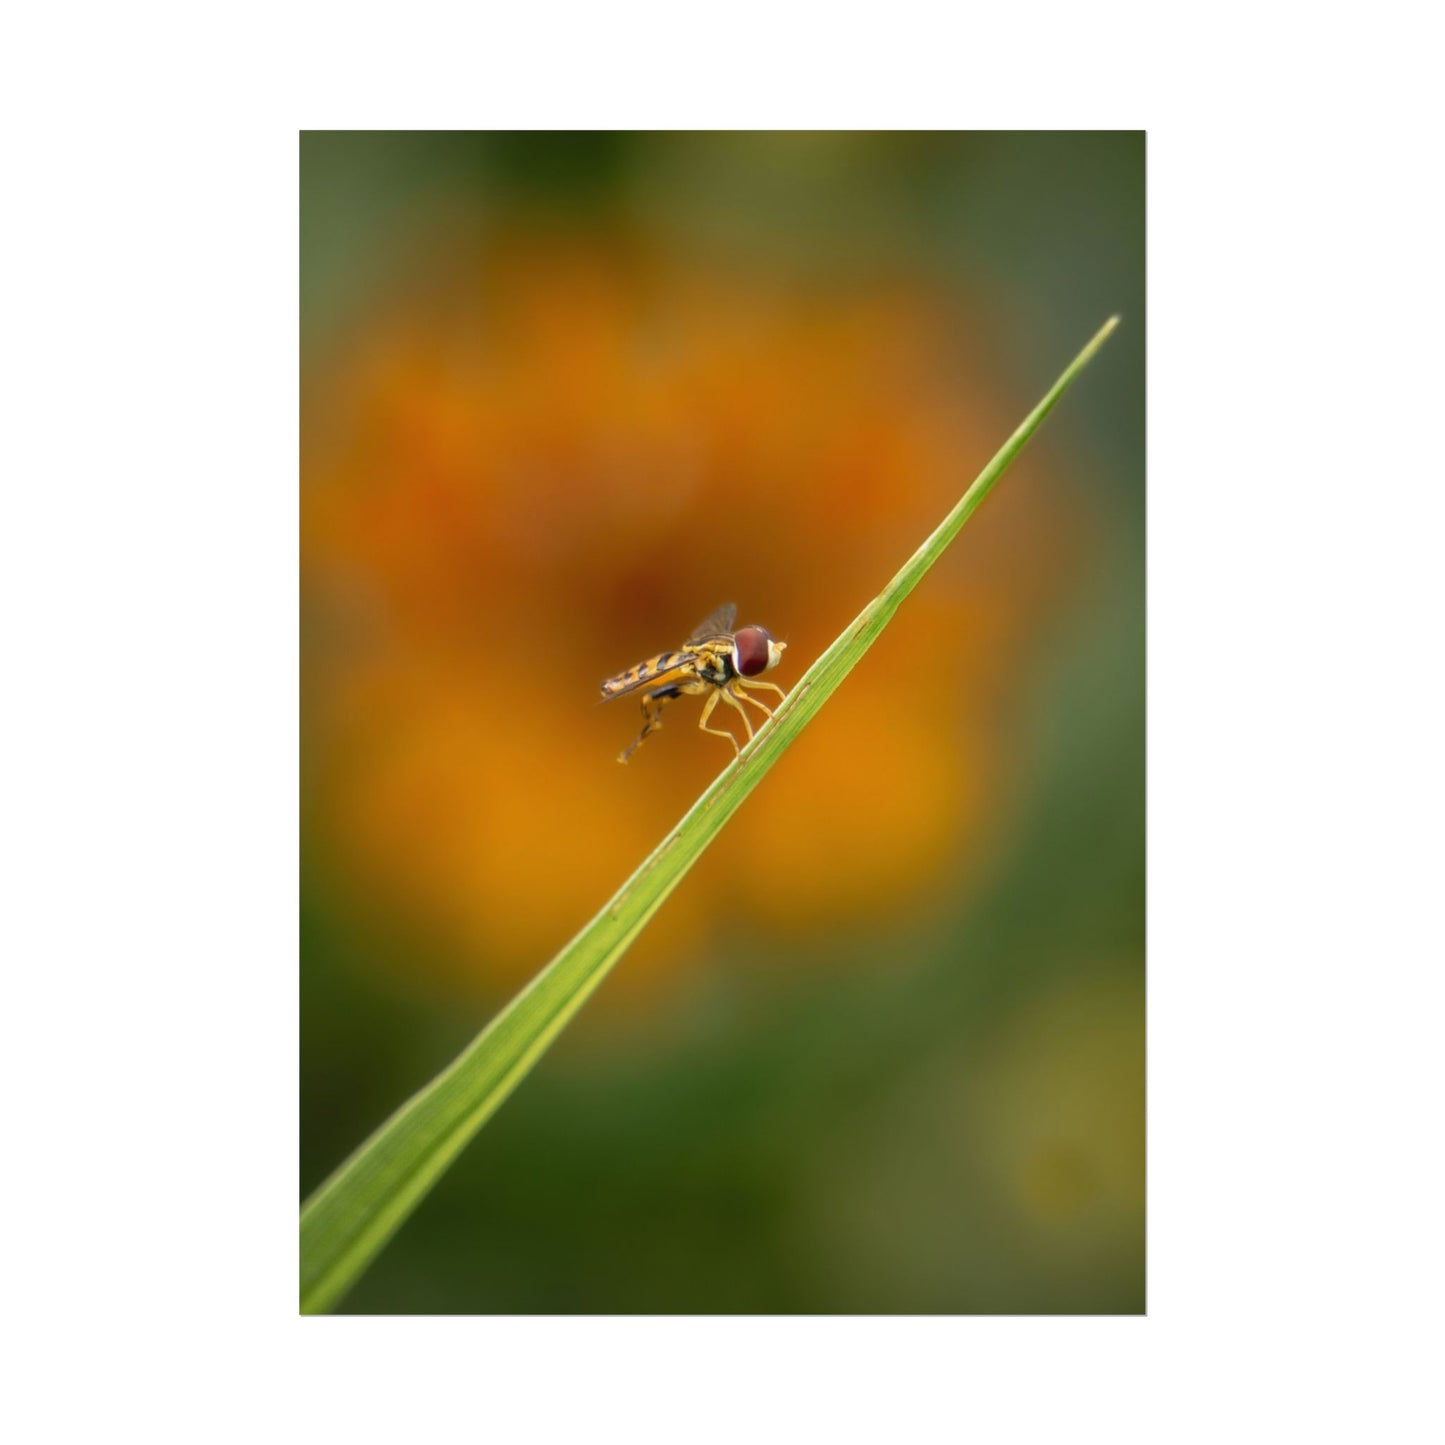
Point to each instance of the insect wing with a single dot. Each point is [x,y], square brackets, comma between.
[715,624]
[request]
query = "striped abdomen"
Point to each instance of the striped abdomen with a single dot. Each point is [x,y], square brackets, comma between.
[649,673]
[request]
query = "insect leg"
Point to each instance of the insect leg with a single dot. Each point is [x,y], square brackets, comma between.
[727,696]
[707,713]
[752,682]
[743,697]
[651,721]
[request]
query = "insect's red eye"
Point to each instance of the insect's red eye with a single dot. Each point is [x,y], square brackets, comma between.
[751,644]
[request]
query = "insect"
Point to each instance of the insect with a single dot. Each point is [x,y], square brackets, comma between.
[715,660]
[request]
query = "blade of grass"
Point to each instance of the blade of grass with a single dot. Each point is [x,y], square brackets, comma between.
[352,1215]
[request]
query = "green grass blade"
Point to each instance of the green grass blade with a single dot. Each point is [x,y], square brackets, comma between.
[348,1220]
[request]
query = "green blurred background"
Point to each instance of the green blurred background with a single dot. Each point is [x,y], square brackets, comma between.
[561,395]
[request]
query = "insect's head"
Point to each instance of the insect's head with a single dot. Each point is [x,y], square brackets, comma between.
[754,651]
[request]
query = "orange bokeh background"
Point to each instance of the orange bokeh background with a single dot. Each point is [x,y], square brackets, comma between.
[562,395]
[551,464]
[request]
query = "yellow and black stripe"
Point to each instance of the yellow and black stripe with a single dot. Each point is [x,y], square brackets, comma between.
[709,662]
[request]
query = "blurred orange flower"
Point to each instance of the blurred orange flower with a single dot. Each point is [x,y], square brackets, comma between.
[551,465]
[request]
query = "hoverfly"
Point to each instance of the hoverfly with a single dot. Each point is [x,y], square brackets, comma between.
[714,659]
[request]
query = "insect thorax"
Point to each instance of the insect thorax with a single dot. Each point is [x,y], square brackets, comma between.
[715,663]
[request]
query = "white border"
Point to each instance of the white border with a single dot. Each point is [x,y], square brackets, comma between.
[149,576]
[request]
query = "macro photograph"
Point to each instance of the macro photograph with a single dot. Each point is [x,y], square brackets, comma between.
[722,736]
[595,671]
